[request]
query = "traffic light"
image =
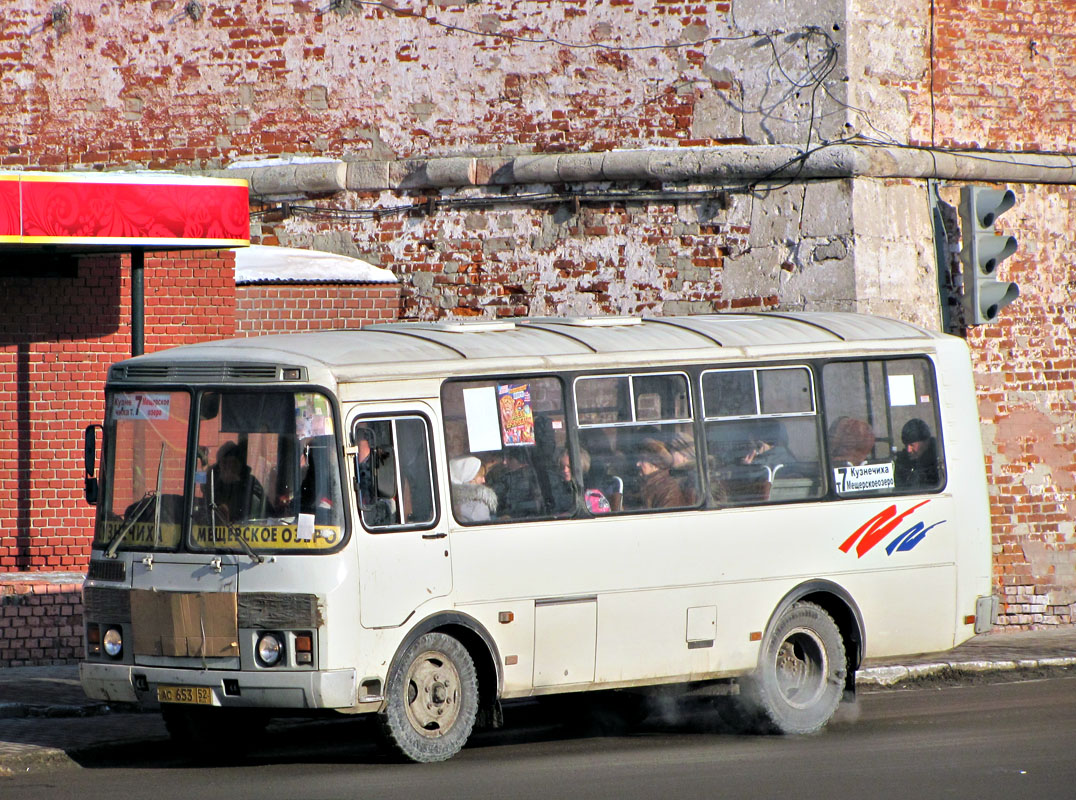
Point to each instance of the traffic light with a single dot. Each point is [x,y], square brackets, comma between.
[982,250]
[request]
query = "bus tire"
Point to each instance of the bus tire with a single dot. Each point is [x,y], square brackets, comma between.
[801,672]
[431,700]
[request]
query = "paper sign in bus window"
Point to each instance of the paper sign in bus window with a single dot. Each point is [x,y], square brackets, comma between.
[141,405]
[483,430]
[865,478]
[517,418]
[901,390]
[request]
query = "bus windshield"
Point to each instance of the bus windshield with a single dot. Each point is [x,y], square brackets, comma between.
[264,473]
[145,465]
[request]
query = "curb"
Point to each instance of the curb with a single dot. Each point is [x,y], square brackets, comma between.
[22,710]
[888,676]
[35,759]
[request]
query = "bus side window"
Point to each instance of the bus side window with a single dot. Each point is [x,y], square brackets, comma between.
[639,437]
[503,438]
[393,472]
[762,432]
[883,434]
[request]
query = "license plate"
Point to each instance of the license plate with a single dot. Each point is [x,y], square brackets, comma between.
[192,695]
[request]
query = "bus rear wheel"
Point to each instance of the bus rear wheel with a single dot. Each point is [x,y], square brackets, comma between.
[431,700]
[801,672]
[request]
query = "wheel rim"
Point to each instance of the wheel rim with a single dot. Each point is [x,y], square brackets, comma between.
[433,694]
[801,666]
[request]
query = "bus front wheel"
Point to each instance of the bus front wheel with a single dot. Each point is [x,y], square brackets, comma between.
[801,672]
[431,700]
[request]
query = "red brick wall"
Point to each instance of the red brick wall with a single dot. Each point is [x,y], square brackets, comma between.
[40,623]
[57,338]
[1001,79]
[283,308]
[1025,367]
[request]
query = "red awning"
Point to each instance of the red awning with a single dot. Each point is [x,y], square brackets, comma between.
[88,212]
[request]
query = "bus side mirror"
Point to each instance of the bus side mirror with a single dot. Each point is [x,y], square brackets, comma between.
[92,486]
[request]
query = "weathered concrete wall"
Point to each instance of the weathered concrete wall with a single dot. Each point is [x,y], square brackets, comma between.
[791,247]
[895,269]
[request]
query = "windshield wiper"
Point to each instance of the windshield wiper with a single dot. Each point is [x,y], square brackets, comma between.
[157,508]
[110,550]
[143,504]
[136,514]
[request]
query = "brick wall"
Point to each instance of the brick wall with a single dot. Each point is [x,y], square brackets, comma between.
[40,622]
[510,261]
[290,308]
[58,337]
[1025,368]
[278,78]
[1001,78]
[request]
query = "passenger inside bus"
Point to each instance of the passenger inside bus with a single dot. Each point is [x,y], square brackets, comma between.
[851,442]
[515,481]
[917,464]
[684,471]
[657,488]
[472,500]
[769,448]
[282,503]
[567,491]
[375,473]
[603,472]
[233,491]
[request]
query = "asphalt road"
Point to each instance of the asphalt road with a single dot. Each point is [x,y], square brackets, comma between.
[1010,740]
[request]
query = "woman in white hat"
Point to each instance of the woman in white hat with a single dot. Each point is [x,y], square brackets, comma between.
[472,500]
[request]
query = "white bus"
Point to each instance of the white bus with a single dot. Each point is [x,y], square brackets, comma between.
[422,520]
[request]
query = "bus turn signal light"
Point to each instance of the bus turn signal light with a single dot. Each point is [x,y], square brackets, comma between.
[304,649]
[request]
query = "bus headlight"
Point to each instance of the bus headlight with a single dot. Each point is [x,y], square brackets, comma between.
[113,642]
[270,648]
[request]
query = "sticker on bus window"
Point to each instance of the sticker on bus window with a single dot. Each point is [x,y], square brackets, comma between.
[866,478]
[141,405]
[517,418]
[313,416]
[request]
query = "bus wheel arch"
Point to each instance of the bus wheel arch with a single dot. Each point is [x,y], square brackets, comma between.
[810,651]
[467,644]
[838,603]
[431,699]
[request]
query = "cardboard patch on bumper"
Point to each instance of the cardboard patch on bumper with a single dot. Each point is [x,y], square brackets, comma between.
[184,624]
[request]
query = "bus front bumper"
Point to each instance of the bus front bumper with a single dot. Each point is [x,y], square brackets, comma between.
[324,689]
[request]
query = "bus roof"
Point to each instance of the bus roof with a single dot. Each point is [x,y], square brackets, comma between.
[394,348]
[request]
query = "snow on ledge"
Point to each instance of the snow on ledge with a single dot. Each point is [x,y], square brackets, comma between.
[265,264]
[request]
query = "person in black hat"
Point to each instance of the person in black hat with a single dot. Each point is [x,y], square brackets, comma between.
[917,464]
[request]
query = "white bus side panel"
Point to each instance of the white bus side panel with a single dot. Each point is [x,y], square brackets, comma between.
[653,578]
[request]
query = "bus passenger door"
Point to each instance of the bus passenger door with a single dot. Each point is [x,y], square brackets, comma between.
[402,544]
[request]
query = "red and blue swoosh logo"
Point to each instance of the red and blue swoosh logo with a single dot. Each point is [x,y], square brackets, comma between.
[884,523]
